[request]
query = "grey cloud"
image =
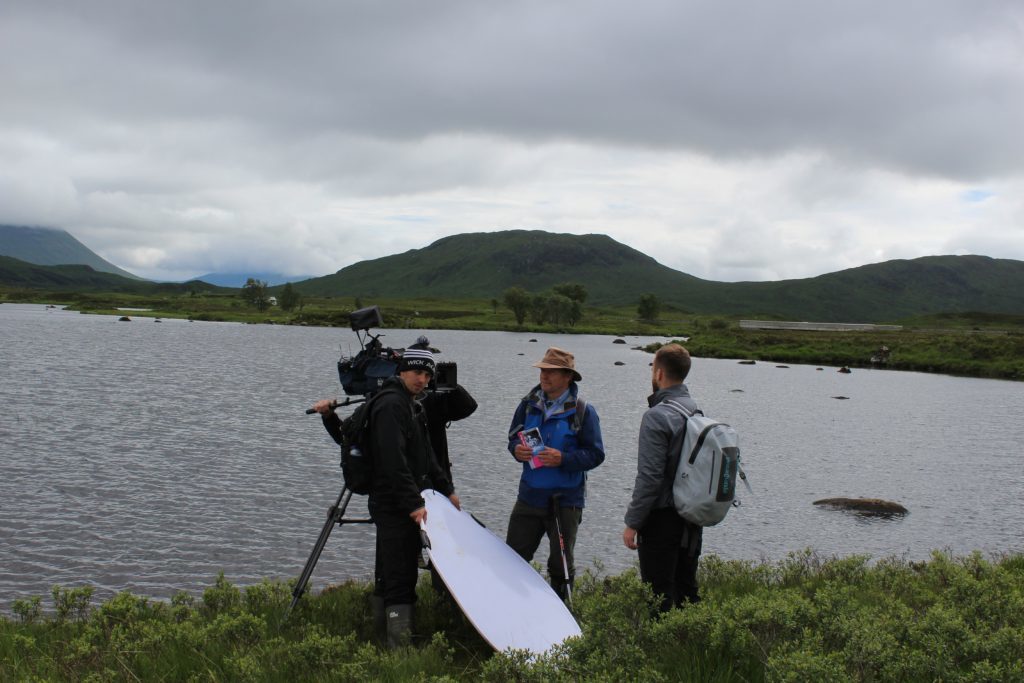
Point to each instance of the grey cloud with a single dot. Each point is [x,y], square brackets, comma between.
[926,87]
[193,132]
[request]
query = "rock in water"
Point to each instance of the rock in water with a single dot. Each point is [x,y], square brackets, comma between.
[870,505]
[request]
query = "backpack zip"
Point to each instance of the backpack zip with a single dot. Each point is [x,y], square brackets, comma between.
[711,481]
[700,441]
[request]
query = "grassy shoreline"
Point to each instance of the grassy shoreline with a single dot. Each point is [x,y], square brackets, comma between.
[974,345]
[800,619]
[968,353]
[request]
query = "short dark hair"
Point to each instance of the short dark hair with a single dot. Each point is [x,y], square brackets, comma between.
[674,361]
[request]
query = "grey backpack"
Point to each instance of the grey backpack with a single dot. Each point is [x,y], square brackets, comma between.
[707,468]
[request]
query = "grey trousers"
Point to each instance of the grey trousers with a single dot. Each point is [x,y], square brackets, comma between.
[527,526]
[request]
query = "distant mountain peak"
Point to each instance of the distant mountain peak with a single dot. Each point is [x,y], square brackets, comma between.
[239,279]
[52,247]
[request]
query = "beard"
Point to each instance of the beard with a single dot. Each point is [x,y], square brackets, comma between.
[654,387]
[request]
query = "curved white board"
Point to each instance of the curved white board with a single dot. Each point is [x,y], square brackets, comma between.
[505,599]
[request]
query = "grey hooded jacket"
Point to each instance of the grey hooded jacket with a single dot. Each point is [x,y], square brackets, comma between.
[660,438]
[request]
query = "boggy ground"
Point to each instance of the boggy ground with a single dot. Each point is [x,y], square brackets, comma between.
[975,345]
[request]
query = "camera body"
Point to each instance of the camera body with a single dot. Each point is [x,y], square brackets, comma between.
[365,373]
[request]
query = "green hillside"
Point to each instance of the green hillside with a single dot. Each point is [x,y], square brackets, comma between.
[51,247]
[15,273]
[483,265]
[902,288]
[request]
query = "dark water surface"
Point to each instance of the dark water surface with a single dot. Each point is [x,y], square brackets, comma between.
[150,456]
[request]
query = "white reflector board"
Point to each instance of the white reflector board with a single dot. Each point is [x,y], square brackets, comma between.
[505,599]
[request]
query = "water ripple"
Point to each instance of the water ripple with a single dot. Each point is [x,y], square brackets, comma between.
[151,457]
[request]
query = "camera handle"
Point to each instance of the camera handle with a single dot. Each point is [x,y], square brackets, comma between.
[334,404]
[335,516]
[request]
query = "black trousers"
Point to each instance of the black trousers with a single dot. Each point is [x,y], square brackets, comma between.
[669,548]
[396,564]
[528,525]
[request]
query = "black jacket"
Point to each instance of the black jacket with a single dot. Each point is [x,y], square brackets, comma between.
[403,461]
[443,408]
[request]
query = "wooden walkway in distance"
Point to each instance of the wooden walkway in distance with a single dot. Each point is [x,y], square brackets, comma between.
[820,327]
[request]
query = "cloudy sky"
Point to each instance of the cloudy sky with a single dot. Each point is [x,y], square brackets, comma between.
[730,140]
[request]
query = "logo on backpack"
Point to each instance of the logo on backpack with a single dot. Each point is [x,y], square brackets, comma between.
[707,468]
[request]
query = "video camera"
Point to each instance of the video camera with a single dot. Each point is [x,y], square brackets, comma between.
[365,373]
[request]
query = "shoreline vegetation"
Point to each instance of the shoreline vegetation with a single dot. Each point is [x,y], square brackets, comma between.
[805,618]
[974,345]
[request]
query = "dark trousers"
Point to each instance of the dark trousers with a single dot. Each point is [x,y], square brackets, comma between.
[398,550]
[668,550]
[528,525]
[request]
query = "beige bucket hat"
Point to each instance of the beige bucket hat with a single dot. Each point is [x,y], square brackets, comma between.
[558,359]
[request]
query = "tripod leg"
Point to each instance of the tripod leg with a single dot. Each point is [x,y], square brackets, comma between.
[334,516]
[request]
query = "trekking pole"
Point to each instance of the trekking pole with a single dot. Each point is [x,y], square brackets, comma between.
[561,546]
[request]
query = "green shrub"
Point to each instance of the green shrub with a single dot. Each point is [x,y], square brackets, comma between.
[803,618]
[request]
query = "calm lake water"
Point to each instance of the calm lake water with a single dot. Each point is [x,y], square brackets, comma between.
[150,456]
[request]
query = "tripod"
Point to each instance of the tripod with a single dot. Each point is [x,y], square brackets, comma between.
[335,516]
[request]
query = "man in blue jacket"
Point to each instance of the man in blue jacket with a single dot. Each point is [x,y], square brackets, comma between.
[554,476]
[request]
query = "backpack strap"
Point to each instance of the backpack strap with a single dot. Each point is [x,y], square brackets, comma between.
[680,408]
[676,445]
[577,418]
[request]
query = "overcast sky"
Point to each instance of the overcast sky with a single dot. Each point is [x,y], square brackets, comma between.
[729,140]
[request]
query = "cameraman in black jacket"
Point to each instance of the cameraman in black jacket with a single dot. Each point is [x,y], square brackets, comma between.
[444,405]
[404,465]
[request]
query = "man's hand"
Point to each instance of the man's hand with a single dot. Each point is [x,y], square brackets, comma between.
[551,457]
[522,453]
[419,516]
[629,538]
[324,406]
[454,498]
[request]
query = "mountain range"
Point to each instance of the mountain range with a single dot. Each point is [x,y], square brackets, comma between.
[484,265]
[237,280]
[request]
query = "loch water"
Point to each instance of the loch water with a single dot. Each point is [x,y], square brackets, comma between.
[150,456]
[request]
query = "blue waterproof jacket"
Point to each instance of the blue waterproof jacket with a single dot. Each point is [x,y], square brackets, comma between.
[581,451]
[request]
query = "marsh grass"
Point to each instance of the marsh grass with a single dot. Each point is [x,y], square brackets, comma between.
[964,351]
[801,619]
[975,345]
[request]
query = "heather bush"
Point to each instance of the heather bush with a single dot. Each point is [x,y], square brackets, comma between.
[804,618]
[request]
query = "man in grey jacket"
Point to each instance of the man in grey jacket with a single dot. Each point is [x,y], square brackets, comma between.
[668,546]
